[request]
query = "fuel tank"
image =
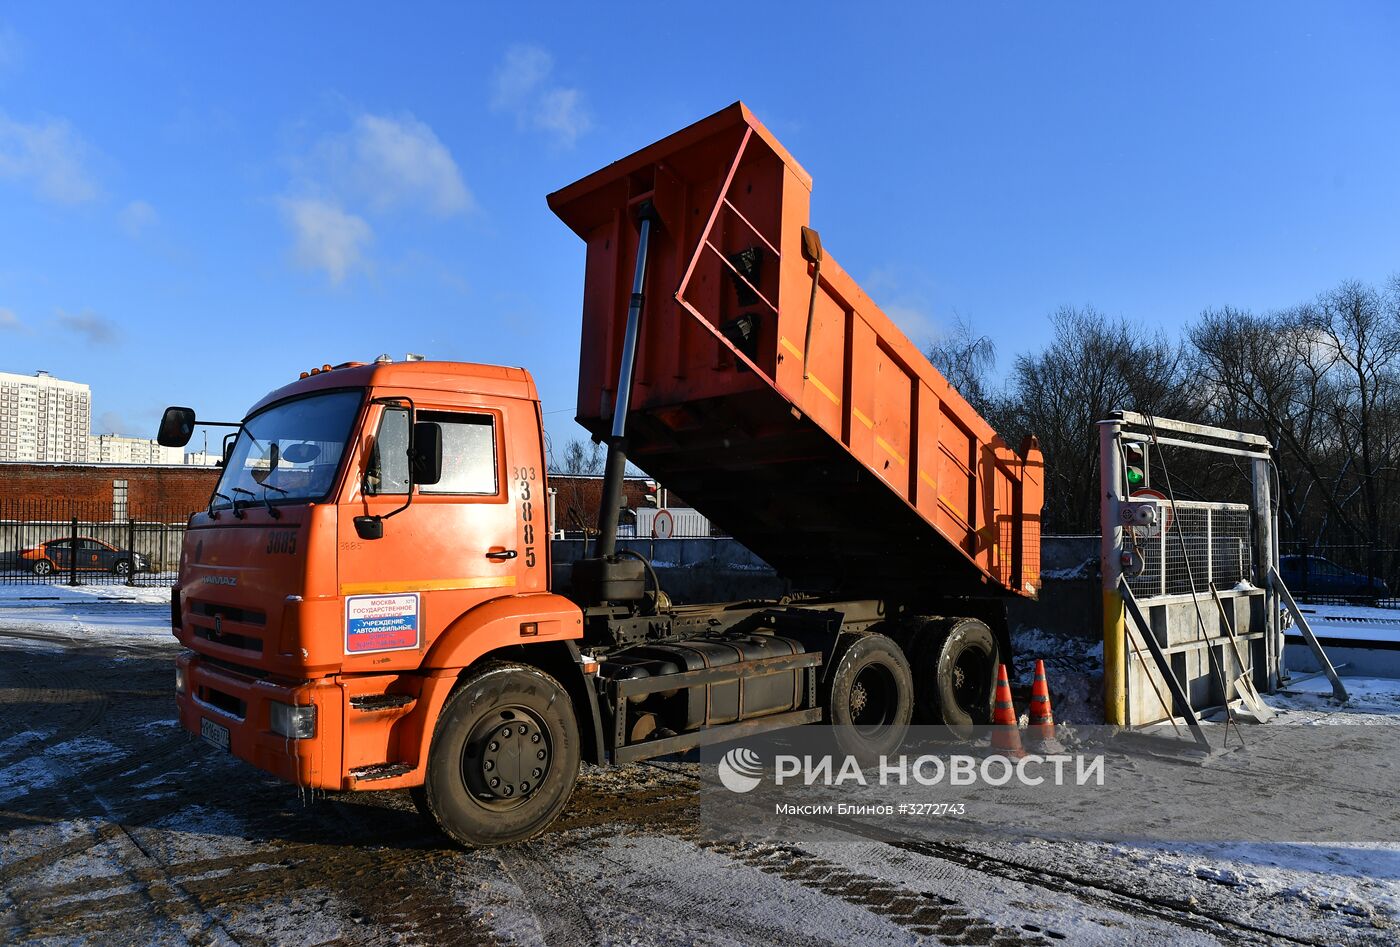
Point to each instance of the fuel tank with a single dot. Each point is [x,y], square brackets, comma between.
[708,705]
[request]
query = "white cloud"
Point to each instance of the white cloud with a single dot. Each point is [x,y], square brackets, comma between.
[9,322]
[913,320]
[396,162]
[327,237]
[522,87]
[561,112]
[48,155]
[521,73]
[137,217]
[381,164]
[89,326]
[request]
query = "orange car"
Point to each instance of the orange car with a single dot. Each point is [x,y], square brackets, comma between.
[93,555]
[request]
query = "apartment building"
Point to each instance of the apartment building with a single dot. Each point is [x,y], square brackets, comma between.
[43,418]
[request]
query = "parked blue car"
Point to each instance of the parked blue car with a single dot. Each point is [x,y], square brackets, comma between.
[1314,575]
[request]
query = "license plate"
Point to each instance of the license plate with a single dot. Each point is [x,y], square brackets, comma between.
[213,734]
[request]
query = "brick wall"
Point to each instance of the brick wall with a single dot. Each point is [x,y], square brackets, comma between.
[577,499]
[183,490]
[150,489]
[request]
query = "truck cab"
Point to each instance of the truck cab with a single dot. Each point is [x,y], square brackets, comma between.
[325,595]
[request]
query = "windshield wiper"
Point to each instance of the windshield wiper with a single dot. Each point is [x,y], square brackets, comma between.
[272,510]
[237,512]
[213,513]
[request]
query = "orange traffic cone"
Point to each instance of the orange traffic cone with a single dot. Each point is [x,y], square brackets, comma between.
[1042,719]
[1006,734]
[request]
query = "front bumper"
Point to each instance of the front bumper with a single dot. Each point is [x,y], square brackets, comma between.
[242,704]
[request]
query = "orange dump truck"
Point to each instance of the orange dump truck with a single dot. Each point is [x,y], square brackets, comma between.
[366,602]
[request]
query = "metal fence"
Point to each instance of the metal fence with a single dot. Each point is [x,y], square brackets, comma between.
[1337,573]
[1197,544]
[74,543]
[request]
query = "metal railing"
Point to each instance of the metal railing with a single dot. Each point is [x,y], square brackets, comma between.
[1337,573]
[1201,543]
[75,543]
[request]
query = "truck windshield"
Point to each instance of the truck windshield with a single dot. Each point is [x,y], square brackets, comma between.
[290,451]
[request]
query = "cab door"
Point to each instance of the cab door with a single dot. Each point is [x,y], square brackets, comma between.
[454,545]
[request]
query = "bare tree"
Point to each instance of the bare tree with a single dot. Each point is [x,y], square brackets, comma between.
[580,457]
[1263,374]
[1360,328]
[967,361]
[574,498]
[1093,366]
[1322,382]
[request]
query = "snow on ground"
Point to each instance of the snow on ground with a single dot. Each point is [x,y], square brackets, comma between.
[1371,701]
[1073,670]
[62,616]
[1359,879]
[30,595]
[1351,622]
[1350,612]
[109,812]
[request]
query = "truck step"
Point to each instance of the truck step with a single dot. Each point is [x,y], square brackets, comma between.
[368,702]
[380,771]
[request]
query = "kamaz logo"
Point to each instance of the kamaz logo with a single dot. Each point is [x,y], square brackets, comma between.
[220,580]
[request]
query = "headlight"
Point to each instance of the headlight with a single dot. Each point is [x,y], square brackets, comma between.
[179,679]
[294,723]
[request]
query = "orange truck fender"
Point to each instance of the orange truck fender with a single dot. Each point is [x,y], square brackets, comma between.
[503,622]
[545,625]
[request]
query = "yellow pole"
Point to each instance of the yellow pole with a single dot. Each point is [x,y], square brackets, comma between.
[1114,660]
[1111,491]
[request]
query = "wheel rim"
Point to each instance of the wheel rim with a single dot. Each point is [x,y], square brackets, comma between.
[123,568]
[42,568]
[507,758]
[874,699]
[972,682]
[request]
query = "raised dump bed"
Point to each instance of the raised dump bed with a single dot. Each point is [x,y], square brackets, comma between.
[774,395]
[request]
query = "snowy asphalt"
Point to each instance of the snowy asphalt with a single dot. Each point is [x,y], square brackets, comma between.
[114,827]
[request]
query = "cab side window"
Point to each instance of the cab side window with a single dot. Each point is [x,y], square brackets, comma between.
[387,470]
[468,453]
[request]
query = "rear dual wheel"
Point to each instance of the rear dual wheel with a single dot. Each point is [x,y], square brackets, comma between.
[874,690]
[955,662]
[504,757]
[869,696]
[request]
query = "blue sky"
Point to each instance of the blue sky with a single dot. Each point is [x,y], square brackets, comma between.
[198,202]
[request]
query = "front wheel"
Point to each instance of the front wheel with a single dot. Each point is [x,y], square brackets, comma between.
[42,567]
[121,567]
[504,756]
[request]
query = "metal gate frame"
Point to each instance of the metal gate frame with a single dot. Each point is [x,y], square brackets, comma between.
[1187,673]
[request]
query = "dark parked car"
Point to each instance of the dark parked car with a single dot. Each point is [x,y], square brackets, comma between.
[93,555]
[1314,575]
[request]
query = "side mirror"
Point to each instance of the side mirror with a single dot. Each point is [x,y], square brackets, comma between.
[426,460]
[369,527]
[176,427]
